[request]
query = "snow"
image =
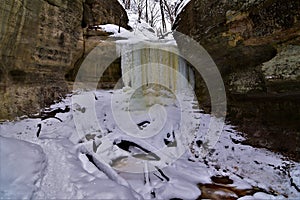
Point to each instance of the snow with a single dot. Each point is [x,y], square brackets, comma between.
[112,28]
[21,169]
[153,10]
[65,176]
[182,4]
[141,30]
[85,156]
[295,173]
[55,165]
[261,195]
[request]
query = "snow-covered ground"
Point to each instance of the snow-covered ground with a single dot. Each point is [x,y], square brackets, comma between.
[134,144]
[73,160]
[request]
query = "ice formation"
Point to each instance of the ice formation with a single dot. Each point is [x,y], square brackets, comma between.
[158,63]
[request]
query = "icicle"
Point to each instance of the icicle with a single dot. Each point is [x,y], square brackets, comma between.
[146,63]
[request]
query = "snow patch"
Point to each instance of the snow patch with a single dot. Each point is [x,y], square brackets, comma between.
[22,168]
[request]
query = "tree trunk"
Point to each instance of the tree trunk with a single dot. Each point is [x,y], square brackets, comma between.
[127,4]
[147,18]
[163,21]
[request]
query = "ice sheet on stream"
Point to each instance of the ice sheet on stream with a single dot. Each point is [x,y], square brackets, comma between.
[69,173]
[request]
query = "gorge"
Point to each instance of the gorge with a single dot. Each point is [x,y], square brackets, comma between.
[96,104]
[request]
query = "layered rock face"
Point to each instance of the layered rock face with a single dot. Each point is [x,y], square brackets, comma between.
[98,12]
[255,45]
[40,42]
[104,12]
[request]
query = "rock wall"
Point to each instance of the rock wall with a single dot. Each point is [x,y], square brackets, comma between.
[104,12]
[41,41]
[255,45]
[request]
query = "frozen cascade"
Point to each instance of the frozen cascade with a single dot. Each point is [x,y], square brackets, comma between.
[157,63]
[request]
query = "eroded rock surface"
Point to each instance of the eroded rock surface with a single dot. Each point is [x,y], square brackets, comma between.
[255,45]
[40,42]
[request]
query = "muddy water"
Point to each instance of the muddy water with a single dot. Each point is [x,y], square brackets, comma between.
[221,189]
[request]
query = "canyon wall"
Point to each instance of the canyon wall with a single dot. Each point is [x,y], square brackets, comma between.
[104,12]
[256,46]
[40,42]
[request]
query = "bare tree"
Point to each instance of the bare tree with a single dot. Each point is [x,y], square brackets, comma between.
[154,14]
[163,22]
[170,11]
[140,7]
[127,4]
[140,10]
[146,15]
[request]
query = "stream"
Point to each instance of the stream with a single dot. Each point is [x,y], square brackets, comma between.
[146,140]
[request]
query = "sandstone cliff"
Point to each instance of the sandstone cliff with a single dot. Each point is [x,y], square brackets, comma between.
[255,45]
[40,41]
[104,12]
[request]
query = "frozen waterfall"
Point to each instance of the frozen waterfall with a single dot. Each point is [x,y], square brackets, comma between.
[157,63]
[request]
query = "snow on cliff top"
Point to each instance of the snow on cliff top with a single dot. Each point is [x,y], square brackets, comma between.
[141,30]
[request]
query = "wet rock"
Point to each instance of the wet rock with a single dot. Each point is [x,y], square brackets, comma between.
[133,148]
[199,143]
[221,179]
[143,124]
[90,136]
[217,191]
